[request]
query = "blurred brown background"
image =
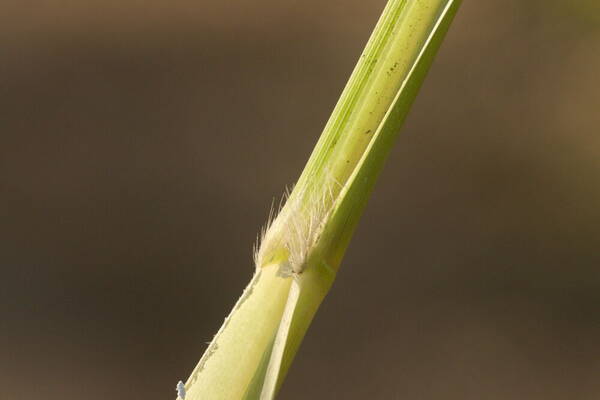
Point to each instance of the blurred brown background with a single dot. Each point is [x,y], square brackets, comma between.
[141,144]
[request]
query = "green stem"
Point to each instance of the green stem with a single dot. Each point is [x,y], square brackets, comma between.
[302,249]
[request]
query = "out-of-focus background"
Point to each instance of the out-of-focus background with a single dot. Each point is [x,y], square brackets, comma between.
[141,145]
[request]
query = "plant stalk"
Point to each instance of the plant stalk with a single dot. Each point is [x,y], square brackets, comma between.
[302,249]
